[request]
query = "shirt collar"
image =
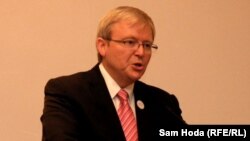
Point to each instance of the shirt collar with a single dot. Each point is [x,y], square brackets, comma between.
[112,86]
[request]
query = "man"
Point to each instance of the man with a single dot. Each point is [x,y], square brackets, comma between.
[87,105]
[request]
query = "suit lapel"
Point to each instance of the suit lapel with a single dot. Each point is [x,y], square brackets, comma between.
[104,115]
[144,114]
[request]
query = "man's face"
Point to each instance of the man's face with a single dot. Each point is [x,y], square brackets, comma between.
[123,63]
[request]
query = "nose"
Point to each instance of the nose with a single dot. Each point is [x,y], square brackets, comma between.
[140,50]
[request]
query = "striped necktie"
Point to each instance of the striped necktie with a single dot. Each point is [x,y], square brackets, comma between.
[127,117]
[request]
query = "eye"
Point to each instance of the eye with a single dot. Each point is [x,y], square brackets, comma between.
[147,45]
[129,42]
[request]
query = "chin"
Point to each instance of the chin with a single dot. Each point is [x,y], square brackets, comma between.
[136,76]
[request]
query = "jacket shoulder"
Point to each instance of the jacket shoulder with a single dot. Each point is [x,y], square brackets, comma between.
[152,89]
[61,84]
[163,97]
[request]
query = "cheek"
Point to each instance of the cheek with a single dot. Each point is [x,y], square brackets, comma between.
[147,59]
[123,55]
[119,57]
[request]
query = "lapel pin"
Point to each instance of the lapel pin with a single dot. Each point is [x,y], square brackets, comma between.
[140,104]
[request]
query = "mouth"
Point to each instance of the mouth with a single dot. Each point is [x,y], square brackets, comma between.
[138,66]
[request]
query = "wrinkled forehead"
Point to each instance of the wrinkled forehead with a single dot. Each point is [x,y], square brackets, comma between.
[127,30]
[132,22]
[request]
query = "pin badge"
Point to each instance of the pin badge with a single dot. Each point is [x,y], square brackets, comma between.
[140,104]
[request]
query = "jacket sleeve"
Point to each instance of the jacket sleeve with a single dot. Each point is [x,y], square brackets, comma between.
[59,122]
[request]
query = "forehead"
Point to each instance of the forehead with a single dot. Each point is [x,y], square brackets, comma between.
[132,29]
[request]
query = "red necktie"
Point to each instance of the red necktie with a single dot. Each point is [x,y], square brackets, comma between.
[127,117]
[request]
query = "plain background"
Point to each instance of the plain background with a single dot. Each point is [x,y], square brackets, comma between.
[203,56]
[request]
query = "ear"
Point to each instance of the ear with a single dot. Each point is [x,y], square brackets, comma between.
[101,46]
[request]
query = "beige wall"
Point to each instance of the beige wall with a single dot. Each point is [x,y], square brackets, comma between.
[204,56]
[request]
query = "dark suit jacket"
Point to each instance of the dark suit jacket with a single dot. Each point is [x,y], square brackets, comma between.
[79,107]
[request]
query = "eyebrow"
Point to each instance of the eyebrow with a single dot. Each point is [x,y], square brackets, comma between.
[133,38]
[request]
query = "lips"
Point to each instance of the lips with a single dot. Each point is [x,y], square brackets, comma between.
[138,66]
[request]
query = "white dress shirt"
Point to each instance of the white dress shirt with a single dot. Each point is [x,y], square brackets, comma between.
[114,88]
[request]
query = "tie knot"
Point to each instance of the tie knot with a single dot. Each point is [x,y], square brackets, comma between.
[123,95]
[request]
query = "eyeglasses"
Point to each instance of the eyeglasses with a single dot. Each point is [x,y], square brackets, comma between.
[130,43]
